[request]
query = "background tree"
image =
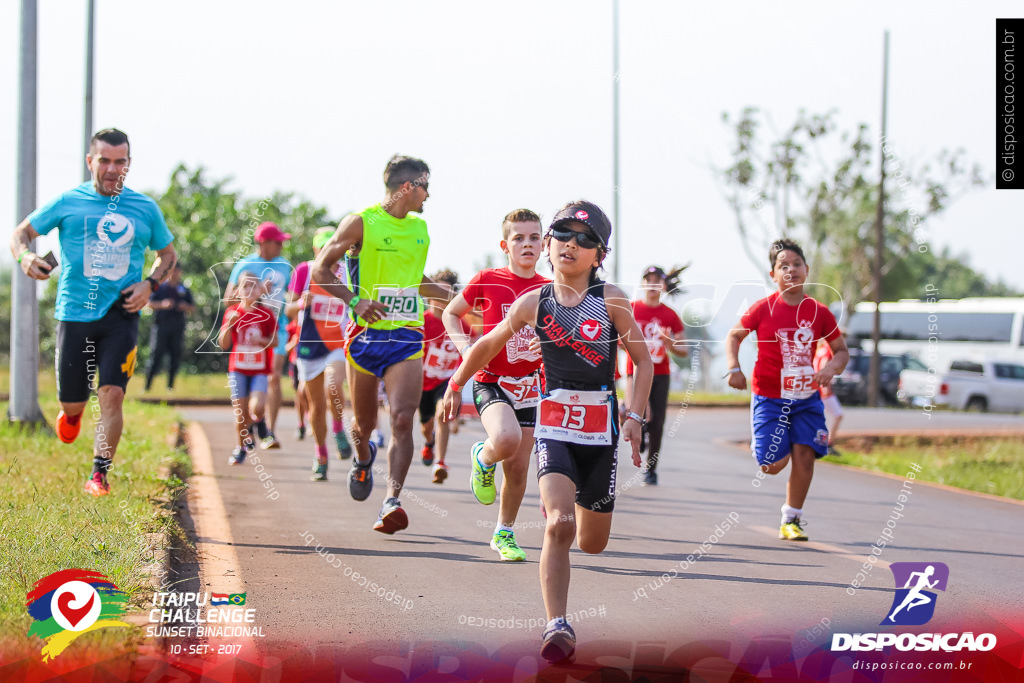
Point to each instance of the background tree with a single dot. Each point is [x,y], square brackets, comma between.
[819,186]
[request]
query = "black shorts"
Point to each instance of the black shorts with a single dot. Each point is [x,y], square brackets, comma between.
[103,350]
[591,468]
[428,402]
[486,393]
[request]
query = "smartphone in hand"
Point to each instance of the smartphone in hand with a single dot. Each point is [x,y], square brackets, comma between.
[50,260]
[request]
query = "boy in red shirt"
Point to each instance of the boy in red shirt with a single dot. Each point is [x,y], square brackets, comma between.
[440,361]
[663,332]
[249,331]
[787,417]
[507,390]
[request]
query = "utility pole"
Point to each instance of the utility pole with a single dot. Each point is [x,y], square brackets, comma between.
[24,406]
[616,187]
[876,331]
[90,20]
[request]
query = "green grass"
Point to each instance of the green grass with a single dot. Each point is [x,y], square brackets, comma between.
[48,523]
[994,466]
[732,398]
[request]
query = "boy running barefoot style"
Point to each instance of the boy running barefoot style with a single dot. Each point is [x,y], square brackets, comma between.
[507,390]
[249,332]
[441,359]
[786,413]
[579,320]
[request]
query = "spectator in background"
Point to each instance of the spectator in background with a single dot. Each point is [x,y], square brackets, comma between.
[172,301]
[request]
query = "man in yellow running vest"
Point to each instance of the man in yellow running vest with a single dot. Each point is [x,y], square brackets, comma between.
[385,337]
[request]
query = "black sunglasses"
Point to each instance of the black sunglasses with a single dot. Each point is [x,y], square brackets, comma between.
[585,240]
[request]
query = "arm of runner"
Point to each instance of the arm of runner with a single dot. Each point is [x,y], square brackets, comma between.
[138,294]
[296,302]
[452,319]
[435,290]
[675,345]
[33,266]
[737,380]
[632,339]
[224,337]
[840,357]
[348,234]
[522,313]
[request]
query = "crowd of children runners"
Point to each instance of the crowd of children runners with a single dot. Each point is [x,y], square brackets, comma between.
[541,355]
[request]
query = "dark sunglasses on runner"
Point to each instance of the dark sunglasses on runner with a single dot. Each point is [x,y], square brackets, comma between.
[585,240]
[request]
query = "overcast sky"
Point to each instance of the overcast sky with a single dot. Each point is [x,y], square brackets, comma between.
[512,107]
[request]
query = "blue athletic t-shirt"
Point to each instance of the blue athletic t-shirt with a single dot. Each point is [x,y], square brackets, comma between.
[278,271]
[103,242]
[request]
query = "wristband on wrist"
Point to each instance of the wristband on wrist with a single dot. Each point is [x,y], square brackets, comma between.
[634,416]
[732,371]
[153,282]
[22,254]
[353,302]
[454,387]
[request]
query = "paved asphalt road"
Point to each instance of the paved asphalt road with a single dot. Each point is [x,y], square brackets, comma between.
[644,594]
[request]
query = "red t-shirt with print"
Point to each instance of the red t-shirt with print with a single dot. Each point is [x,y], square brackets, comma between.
[652,320]
[786,340]
[248,356]
[493,291]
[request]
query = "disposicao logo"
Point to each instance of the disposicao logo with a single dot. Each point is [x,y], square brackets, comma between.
[71,602]
[914,605]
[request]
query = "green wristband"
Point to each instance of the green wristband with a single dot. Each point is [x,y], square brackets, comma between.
[22,255]
[353,302]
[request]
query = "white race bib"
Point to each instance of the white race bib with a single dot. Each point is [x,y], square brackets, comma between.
[524,391]
[250,357]
[403,304]
[583,417]
[798,382]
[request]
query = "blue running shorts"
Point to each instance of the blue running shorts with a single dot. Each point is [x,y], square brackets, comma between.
[373,351]
[778,423]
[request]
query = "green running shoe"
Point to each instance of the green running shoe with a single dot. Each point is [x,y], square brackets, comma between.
[793,530]
[505,543]
[482,478]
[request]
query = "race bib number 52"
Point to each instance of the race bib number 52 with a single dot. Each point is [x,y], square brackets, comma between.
[798,382]
[583,417]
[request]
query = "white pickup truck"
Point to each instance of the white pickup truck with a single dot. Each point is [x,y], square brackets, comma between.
[969,385]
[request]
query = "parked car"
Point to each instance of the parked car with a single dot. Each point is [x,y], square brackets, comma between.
[851,387]
[969,385]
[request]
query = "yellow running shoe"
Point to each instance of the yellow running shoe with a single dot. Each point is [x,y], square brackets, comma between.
[482,479]
[792,531]
[505,543]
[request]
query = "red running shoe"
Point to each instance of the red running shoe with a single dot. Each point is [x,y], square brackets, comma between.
[66,431]
[97,485]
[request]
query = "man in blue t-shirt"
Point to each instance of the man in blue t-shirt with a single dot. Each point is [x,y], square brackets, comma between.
[268,265]
[104,230]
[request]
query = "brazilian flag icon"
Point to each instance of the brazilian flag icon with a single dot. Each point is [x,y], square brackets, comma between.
[237,598]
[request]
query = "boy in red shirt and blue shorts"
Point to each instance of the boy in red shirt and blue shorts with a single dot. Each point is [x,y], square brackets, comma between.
[787,417]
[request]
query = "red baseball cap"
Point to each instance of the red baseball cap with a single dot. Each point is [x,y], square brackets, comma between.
[269,232]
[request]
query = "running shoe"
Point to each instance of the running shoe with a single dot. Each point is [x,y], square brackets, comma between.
[360,478]
[832,450]
[300,433]
[344,447]
[427,455]
[66,431]
[97,484]
[440,473]
[270,441]
[482,478]
[377,437]
[505,543]
[650,478]
[392,517]
[559,643]
[237,456]
[793,530]
[319,471]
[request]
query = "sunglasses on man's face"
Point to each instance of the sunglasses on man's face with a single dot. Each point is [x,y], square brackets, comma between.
[585,240]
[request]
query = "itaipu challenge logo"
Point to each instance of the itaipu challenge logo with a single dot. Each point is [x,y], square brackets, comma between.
[70,603]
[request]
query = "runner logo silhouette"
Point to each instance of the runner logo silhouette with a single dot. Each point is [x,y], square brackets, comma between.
[914,602]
